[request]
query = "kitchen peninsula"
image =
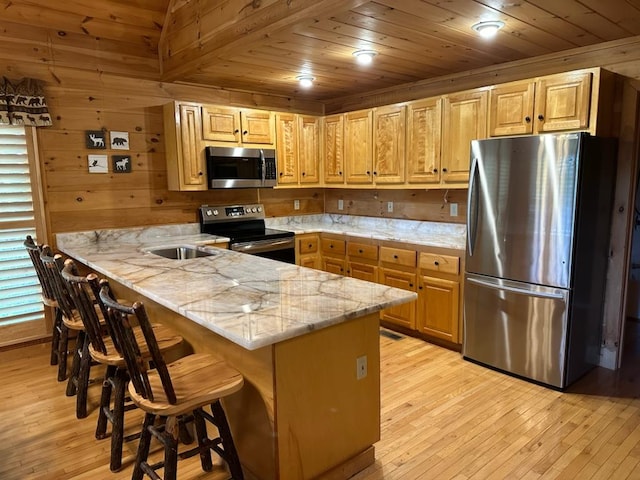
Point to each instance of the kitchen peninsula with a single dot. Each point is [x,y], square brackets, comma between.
[305,340]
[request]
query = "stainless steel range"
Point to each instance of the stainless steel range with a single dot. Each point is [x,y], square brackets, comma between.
[244,225]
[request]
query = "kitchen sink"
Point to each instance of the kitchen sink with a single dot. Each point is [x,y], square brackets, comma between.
[180,253]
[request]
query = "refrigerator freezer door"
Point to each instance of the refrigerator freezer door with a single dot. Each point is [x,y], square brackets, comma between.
[521,208]
[516,327]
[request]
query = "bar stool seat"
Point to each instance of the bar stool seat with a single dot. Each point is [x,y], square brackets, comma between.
[178,390]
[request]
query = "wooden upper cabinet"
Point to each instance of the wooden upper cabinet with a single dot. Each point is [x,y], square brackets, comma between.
[358,146]
[389,144]
[333,148]
[237,125]
[547,104]
[309,149]
[511,109]
[424,140]
[287,148]
[562,102]
[464,119]
[186,167]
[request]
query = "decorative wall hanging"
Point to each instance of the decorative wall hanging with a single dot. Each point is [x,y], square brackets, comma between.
[95,139]
[119,140]
[22,102]
[98,164]
[121,163]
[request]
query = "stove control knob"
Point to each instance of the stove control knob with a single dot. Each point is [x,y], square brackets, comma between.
[259,209]
[208,213]
[215,212]
[253,210]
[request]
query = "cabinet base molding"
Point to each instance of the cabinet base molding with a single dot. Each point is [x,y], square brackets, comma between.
[427,338]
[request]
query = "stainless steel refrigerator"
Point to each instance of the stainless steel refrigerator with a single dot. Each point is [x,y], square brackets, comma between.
[538,222]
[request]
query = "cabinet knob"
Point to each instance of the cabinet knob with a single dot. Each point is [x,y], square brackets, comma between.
[368,172]
[540,117]
[330,246]
[303,174]
[395,256]
[436,263]
[200,173]
[245,132]
[310,245]
[435,170]
[281,173]
[420,287]
[411,285]
[360,251]
[444,169]
[527,119]
[236,131]
[375,173]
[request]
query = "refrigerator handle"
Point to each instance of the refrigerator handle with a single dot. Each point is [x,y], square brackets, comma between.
[523,291]
[472,220]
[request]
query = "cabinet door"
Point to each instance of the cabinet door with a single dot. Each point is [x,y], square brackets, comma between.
[424,140]
[221,124]
[405,314]
[333,265]
[465,119]
[363,271]
[333,148]
[511,109]
[358,151]
[191,166]
[438,308]
[257,126]
[389,143]
[309,149]
[287,148]
[562,102]
[310,261]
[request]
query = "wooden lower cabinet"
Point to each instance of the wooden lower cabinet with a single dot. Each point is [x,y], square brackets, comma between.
[308,251]
[405,314]
[333,249]
[334,265]
[438,308]
[362,271]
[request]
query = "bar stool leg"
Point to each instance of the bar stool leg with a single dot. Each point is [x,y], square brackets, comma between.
[72,382]
[63,346]
[203,438]
[230,453]
[117,431]
[55,337]
[105,402]
[143,446]
[83,378]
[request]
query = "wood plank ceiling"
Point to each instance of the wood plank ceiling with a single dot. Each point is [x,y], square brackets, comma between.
[262,45]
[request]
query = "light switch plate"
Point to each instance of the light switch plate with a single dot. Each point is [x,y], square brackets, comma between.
[389,207]
[340,204]
[296,204]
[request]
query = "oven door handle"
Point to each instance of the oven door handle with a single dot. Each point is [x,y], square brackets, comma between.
[260,246]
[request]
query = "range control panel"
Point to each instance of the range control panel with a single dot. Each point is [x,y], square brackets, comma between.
[213,213]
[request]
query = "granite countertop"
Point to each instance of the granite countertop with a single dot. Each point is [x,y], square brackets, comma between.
[432,234]
[249,300]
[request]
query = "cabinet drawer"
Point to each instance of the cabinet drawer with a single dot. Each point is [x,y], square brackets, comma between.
[398,256]
[307,245]
[333,246]
[440,263]
[362,250]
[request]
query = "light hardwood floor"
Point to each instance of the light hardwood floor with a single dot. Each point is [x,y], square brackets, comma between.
[442,418]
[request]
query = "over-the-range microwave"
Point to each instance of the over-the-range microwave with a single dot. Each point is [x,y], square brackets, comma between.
[229,167]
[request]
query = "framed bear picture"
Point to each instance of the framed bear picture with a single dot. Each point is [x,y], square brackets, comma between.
[119,140]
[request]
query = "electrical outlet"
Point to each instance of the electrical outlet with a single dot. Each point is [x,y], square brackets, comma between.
[296,204]
[453,209]
[389,207]
[361,367]
[340,204]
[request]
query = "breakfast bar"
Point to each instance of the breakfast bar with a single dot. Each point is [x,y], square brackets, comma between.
[306,341]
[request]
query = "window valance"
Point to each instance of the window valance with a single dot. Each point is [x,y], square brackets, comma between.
[22,102]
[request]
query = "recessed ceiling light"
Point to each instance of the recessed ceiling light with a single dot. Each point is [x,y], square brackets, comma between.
[364,57]
[306,81]
[488,29]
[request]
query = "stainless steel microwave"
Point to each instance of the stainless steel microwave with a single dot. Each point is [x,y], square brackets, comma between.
[229,167]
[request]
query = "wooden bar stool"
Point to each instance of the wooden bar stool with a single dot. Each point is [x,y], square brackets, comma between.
[49,300]
[78,382]
[102,350]
[177,389]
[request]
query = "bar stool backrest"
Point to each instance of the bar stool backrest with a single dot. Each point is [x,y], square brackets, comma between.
[80,292]
[121,318]
[53,264]
[34,253]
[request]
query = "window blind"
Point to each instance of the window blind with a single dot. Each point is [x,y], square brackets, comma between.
[20,299]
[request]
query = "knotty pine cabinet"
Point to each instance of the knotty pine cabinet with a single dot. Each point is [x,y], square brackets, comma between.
[389,133]
[238,126]
[398,269]
[186,167]
[333,249]
[358,151]
[333,149]
[424,141]
[464,119]
[298,149]
[362,260]
[547,104]
[308,250]
[439,299]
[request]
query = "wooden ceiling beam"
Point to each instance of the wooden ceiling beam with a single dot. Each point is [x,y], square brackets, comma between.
[217,28]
